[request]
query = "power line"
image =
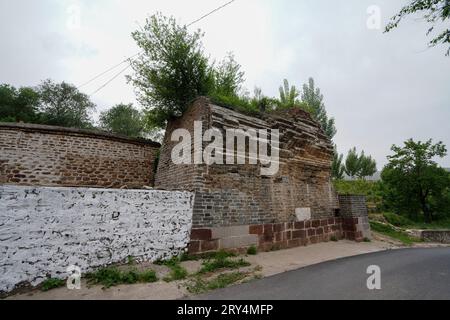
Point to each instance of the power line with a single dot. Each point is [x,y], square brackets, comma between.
[111,80]
[131,57]
[210,13]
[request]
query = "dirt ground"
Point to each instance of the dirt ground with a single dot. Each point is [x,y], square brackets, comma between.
[267,264]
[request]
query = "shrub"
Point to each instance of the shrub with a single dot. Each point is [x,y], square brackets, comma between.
[252,251]
[396,220]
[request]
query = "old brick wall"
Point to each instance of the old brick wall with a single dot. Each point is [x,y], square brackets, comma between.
[51,156]
[236,195]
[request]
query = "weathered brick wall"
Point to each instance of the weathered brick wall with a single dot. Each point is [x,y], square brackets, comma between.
[355,218]
[235,195]
[51,156]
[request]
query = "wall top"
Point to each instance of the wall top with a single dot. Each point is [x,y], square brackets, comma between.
[27,127]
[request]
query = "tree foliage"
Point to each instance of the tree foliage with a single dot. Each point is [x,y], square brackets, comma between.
[172,70]
[338,167]
[359,166]
[313,98]
[288,95]
[414,182]
[434,12]
[123,119]
[62,104]
[18,105]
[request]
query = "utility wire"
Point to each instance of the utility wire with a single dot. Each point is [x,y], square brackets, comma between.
[131,57]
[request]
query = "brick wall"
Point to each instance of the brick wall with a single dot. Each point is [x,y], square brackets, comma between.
[236,195]
[355,218]
[38,155]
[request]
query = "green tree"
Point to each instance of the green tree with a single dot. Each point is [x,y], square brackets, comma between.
[288,95]
[434,11]
[368,166]
[172,70]
[414,182]
[228,77]
[313,98]
[353,164]
[62,104]
[123,119]
[18,105]
[337,168]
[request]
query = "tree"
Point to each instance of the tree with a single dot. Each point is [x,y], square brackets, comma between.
[171,71]
[367,166]
[61,104]
[413,180]
[123,119]
[435,11]
[313,98]
[337,168]
[288,95]
[18,105]
[228,77]
[352,164]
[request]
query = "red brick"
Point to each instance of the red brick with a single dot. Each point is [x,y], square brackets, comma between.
[268,228]
[324,222]
[319,231]
[307,224]
[201,234]
[257,229]
[294,243]
[316,223]
[299,234]
[311,232]
[331,221]
[194,247]
[279,227]
[299,225]
[212,245]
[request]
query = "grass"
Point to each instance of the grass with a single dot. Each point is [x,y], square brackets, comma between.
[206,256]
[52,283]
[252,251]
[222,263]
[109,277]
[393,233]
[177,272]
[199,285]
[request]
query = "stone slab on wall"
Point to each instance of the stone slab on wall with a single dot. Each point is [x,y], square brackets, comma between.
[39,155]
[45,230]
[439,236]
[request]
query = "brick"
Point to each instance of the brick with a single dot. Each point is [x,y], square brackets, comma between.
[201,234]
[299,234]
[315,223]
[257,229]
[194,247]
[212,245]
[311,232]
[299,225]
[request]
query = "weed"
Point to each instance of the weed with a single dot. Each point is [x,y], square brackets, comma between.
[52,283]
[393,233]
[367,240]
[334,239]
[222,263]
[199,285]
[109,277]
[252,251]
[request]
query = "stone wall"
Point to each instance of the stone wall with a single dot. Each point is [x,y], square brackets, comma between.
[51,156]
[45,230]
[237,195]
[355,217]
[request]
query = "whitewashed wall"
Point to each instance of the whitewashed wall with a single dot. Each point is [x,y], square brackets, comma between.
[44,230]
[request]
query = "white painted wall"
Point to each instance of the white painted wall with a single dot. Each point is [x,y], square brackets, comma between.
[44,230]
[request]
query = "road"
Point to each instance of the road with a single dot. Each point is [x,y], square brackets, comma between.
[405,274]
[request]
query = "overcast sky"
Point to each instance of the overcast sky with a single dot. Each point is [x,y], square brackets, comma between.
[381,88]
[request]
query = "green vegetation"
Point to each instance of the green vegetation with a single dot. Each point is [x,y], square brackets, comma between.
[334,239]
[109,277]
[222,261]
[199,285]
[177,272]
[393,233]
[123,119]
[434,12]
[414,185]
[252,251]
[372,190]
[52,283]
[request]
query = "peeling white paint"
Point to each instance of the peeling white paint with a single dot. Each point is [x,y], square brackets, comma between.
[45,230]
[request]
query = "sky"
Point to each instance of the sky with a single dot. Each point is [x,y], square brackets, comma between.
[382,89]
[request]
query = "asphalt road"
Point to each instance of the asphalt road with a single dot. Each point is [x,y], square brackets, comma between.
[405,274]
